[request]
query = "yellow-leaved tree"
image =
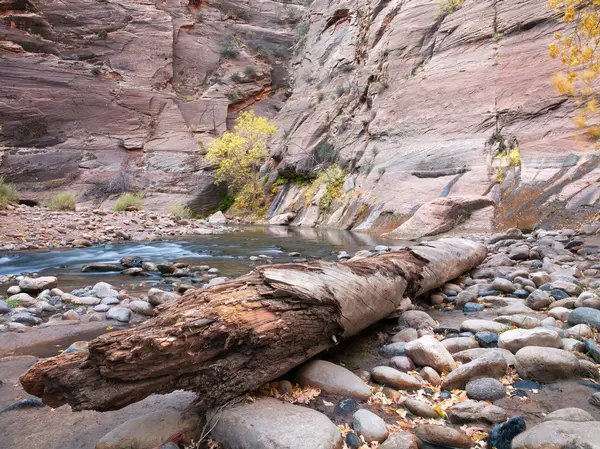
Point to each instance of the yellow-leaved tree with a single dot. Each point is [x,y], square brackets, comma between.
[577,49]
[238,156]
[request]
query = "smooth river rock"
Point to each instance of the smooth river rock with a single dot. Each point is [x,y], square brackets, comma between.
[443,436]
[427,351]
[546,364]
[559,435]
[36,285]
[475,326]
[386,375]
[485,389]
[585,315]
[572,414]
[370,426]
[332,379]
[516,339]
[492,364]
[475,412]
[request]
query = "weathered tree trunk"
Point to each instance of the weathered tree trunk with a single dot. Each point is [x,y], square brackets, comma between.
[230,339]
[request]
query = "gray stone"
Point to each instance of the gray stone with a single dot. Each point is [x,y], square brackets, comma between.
[120,314]
[492,364]
[142,307]
[485,389]
[585,315]
[415,319]
[157,296]
[427,351]
[503,285]
[559,435]
[473,354]
[458,344]
[538,300]
[332,379]
[482,325]
[475,412]
[546,364]
[25,318]
[445,436]
[571,414]
[393,350]
[151,430]
[420,409]
[104,290]
[370,426]
[400,440]
[36,285]
[101,308]
[4,308]
[516,339]
[405,335]
[386,375]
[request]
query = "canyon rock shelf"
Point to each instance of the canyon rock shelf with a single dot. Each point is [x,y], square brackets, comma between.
[230,339]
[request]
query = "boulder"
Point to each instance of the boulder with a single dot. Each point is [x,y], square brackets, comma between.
[559,435]
[370,426]
[36,285]
[546,364]
[268,423]
[427,351]
[475,412]
[332,379]
[516,339]
[386,375]
[571,414]
[151,430]
[492,364]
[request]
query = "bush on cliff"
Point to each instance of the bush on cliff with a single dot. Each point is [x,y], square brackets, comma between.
[129,201]
[239,155]
[181,211]
[8,193]
[62,201]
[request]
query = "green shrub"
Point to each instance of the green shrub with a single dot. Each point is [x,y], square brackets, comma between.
[450,6]
[229,49]
[62,201]
[250,72]
[181,211]
[126,200]
[13,303]
[236,77]
[340,90]
[227,202]
[8,193]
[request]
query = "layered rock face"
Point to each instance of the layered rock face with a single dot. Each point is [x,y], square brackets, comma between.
[420,105]
[98,96]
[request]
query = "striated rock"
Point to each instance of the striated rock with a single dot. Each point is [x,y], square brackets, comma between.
[427,351]
[516,339]
[475,412]
[546,364]
[443,436]
[492,364]
[370,426]
[559,435]
[332,379]
[36,285]
[571,414]
[394,378]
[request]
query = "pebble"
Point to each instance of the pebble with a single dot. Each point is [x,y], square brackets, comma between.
[353,441]
[471,307]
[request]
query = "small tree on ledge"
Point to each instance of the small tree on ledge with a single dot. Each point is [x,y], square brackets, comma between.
[239,155]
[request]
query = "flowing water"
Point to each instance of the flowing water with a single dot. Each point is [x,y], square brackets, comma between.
[228,252]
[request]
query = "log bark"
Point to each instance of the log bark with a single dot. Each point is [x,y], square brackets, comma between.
[230,339]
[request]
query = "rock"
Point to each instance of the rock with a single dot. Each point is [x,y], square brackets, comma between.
[132,262]
[282,219]
[393,350]
[538,300]
[271,424]
[109,301]
[36,285]
[26,318]
[539,278]
[502,435]
[522,321]
[571,414]
[475,412]
[572,345]
[516,339]
[430,375]
[104,290]
[427,351]
[560,313]
[420,408]
[585,315]
[503,285]
[473,354]
[151,430]
[445,436]
[166,268]
[101,267]
[386,375]
[332,379]
[485,389]
[458,344]
[13,290]
[465,297]
[77,346]
[101,308]
[400,440]
[559,435]
[546,364]
[157,296]
[486,339]
[519,253]
[592,348]
[579,331]
[472,307]
[4,308]
[405,335]
[595,399]
[347,406]
[492,364]
[475,326]
[70,315]
[81,300]
[119,314]
[149,266]
[353,441]
[132,271]
[141,307]
[24,299]
[509,234]
[402,363]
[415,319]
[568,287]
[514,309]
[217,218]
[370,426]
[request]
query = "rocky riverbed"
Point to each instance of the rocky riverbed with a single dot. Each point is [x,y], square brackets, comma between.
[504,356]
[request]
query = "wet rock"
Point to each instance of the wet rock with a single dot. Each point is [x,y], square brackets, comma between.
[458,344]
[332,379]
[157,296]
[400,440]
[585,315]
[443,436]
[516,339]
[427,351]
[420,409]
[393,350]
[486,339]
[482,325]
[101,267]
[370,426]
[104,290]
[503,285]
[492,364]
[151,430]
[475,412]
[546,364]
[141,307]
[386,375]
[430,375]
[402,363]
[502,435]
[559,435]
[571,414]
[415,319]
[405,335]
[485,389]
[36,285]
[120,314]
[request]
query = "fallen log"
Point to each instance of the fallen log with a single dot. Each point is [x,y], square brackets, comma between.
[230,339]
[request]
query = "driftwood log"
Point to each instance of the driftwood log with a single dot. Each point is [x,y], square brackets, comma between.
[230,339]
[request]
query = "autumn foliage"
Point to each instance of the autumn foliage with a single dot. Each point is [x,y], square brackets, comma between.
[577,50]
